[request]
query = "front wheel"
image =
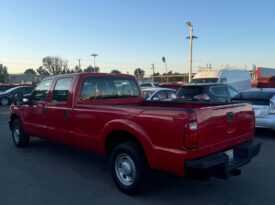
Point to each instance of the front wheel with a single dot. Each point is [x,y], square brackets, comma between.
[20,139]
[129,168]
[4,101]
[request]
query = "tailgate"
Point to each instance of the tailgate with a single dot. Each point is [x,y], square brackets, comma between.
[229,124]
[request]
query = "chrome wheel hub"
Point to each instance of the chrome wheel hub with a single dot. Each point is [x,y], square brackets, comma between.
[125,169]
[4,101]
[16,134]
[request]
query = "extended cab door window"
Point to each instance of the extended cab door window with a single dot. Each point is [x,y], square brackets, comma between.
[61,90]
[41,91]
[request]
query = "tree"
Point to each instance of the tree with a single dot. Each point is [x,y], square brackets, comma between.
[55,65]
[3,74]
[77,69]
[91,69]
[30,71]
[42,71]
[115,71]
[139,73]
[156,74]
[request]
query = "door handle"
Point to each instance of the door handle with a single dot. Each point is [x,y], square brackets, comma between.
[65,114]
[44,111]
[230,116]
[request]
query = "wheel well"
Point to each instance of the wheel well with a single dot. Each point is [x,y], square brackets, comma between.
[117,137]
[12,118]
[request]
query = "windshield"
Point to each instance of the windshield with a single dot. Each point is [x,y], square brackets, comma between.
[147,93]
[204,80]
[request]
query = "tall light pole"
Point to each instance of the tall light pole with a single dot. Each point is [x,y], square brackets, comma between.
[164,61]
[153,68]
[94,55]
[190,37]
[79,64]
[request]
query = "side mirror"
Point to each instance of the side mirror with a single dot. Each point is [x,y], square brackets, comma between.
[155,98]
[27,100]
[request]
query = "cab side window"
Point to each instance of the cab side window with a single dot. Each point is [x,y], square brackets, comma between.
[41,91]
[232,92]
[219,91]
[61,90]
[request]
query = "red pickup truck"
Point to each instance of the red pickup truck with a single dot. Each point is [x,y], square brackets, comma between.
[106,114]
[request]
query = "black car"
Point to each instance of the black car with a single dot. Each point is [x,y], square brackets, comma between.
[7,96]
[208,92]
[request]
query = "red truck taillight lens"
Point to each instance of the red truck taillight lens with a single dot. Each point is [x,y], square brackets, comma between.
[191,139]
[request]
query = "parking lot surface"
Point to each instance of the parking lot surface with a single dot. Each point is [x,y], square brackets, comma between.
[50,173]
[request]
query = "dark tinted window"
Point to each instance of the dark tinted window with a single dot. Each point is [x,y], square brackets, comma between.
[255,95]
[61,90]
[232,92]
[27,90]
[188,92]
[220,91]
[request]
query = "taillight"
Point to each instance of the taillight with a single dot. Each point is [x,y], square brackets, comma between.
[272,107]
[191,139]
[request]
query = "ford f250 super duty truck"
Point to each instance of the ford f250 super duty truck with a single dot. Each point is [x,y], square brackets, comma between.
[106,114]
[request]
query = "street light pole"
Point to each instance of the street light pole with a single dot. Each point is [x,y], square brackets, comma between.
[164,61]
[190,37]
[94,55]
[79,64]
[153,68]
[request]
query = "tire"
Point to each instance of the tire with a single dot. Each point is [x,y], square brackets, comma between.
[5,101]
[129,168]
[20,139]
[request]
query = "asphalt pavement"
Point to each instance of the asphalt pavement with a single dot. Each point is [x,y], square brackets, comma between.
[51,173]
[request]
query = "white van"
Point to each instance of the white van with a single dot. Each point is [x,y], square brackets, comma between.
[239,79]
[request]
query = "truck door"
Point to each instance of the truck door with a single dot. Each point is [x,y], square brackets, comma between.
[34,114]
[59,107]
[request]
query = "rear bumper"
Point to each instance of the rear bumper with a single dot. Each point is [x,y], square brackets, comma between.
[221,165]
[266,122]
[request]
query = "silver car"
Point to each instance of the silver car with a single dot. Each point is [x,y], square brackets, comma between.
[158,94]
[263,101]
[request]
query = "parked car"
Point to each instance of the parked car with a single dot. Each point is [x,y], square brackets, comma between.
[238,79]
[263,102]
[7,96]
[158,93]
[210,92]
[88,111]
[175,85]
[148,84]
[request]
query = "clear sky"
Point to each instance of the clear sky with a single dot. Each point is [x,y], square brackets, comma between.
[128,34]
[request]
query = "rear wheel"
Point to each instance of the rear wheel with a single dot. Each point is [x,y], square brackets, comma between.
[20,139]
[4,101]
[129,167]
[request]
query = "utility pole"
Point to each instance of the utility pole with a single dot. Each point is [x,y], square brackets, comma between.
[94,55]
[79,64]
[153,68]
[190,37]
